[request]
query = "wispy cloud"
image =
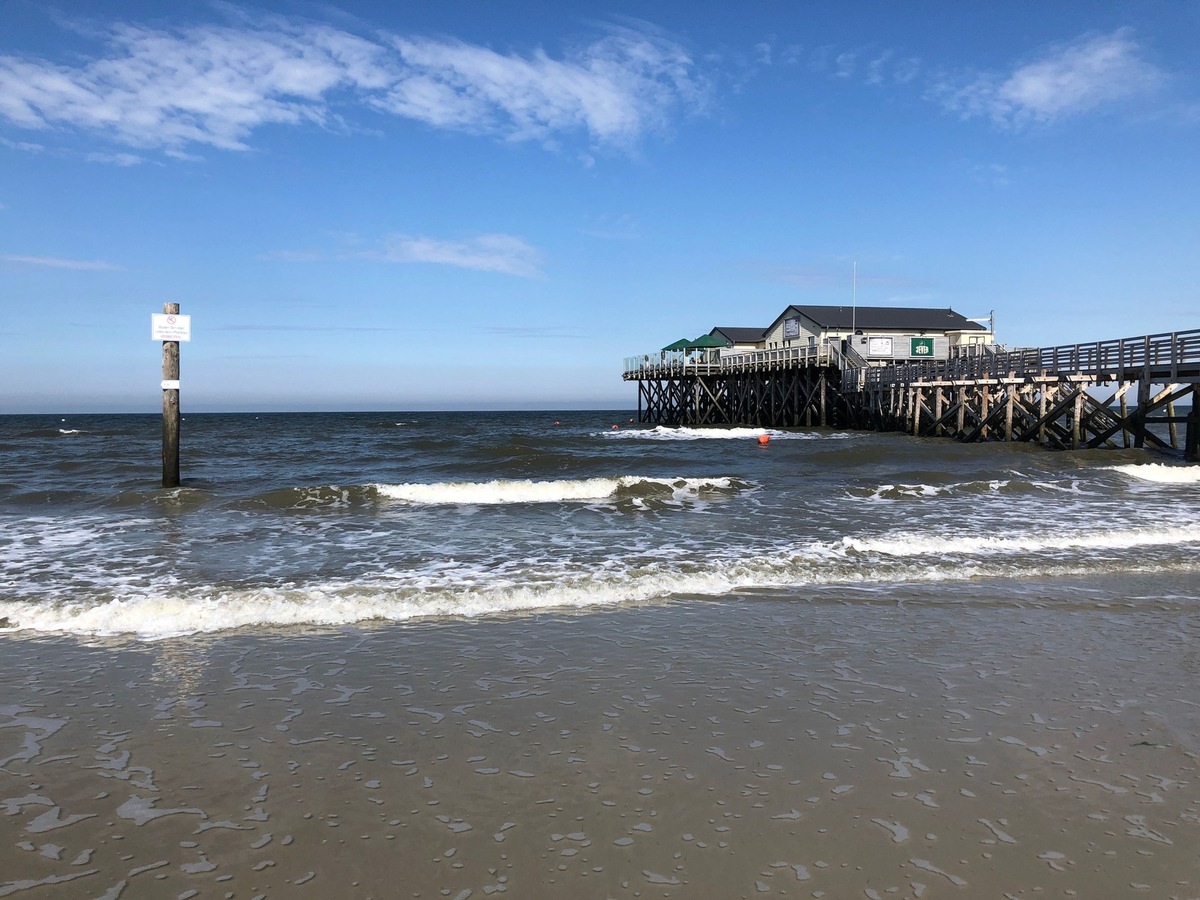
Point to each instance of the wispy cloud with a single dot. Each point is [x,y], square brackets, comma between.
[215,85]
[1069,79]
[834,279]
[501,253]
[292,256]
[1086,74]
[24,146]
[322,329]
[614,89]
[54,262]
[868,65]
[535,331]
[115,159]
[619,228]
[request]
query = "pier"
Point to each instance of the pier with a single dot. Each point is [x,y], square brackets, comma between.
[1101,394]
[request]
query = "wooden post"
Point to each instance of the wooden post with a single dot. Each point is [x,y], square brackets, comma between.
[984,409]
[170,406]
[1042,398]
[1139,435]
[1125,415]
[1008,412]
[1191,446]
[1077,418]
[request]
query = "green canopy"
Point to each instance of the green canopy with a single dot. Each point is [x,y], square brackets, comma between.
[708,340]
[681,344]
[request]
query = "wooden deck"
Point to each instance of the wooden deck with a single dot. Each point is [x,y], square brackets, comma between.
[1117,393]
[1173,357]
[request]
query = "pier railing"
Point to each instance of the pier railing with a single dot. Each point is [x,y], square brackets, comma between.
[675,363]
[1170,356]
[981,393]
[1155,357]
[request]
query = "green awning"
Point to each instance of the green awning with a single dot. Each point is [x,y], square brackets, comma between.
[681,344]
[708,340]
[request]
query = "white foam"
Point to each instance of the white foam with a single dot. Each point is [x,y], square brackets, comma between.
[1160,473]
[469,590]
[907,491]
[920,544]
[662,433]
[503,491]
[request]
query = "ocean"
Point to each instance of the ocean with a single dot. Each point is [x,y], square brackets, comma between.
[336,519]
[451,655]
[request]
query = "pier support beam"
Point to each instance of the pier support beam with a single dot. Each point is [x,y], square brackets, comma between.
[1191,443]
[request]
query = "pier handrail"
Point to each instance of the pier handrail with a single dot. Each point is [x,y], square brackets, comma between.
[673,363]
[1168,355]
[1164,356]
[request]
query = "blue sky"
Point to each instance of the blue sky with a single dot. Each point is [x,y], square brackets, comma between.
[478,205]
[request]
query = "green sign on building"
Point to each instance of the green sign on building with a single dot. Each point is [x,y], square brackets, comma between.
[922,348]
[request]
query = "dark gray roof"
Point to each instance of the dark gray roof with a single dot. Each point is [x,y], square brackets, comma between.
[869,317]
[739,335]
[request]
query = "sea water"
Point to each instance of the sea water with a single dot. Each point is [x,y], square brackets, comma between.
[341,518]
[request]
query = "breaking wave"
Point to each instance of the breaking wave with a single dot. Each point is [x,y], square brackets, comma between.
[561,491]
[441,590]
[1160,474]
[662,433]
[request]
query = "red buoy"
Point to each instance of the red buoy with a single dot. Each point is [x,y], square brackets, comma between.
[764,439]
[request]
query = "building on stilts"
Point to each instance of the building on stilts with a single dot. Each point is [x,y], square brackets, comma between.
[930,373]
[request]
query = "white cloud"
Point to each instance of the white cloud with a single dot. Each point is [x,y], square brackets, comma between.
[1070,79]
[204,85]
[215,85]
[906,70]
[24,146]
[875,68]
[54,262]
[614,89]
[487,253]
[866,65]
[845,64]
[114,159]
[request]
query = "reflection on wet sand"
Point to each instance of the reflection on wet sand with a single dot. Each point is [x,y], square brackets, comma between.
[725,749]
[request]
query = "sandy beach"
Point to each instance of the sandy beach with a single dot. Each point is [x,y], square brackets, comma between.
[692,749]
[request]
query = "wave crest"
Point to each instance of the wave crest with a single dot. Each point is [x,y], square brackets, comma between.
[584,490]
[470,590]
[1159,473]
[663,433]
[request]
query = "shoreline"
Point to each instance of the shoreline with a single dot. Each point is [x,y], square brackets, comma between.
[728,748]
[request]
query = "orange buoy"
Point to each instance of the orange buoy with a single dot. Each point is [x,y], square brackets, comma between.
[764,439]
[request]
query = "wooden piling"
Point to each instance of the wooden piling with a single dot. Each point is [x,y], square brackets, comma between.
[1008,408]
[170,406]
[1191,444]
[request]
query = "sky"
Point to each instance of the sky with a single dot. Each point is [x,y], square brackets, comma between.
[475,205]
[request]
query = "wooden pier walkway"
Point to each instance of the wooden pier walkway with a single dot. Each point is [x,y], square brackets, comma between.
[1118,393]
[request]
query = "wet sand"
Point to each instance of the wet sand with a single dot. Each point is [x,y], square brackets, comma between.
[740,748]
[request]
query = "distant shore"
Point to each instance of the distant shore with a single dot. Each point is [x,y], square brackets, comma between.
[729,748]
